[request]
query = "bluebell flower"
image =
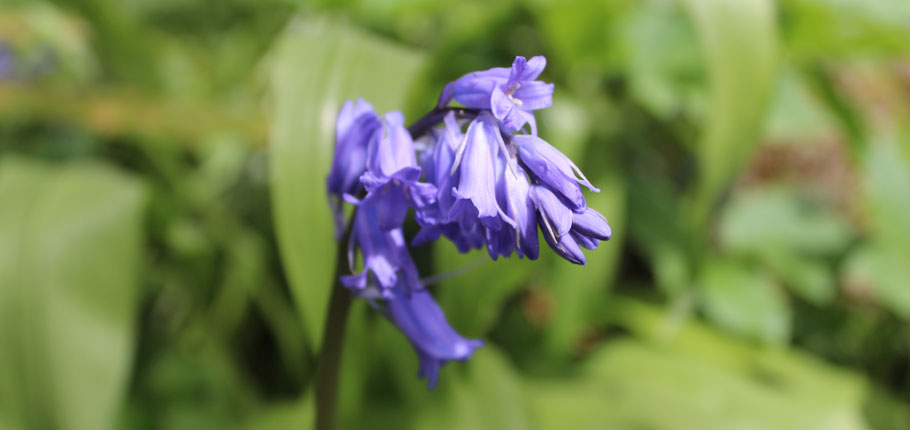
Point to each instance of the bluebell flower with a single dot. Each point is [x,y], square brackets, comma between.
[421,319]
[355,127]
[386,260]
[475,195]
[511,94]
[392,179]
[6,61]
[553,168]
[565,229]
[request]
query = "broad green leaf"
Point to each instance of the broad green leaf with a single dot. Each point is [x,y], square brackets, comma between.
[665,71]
[70,243]
[738,39]
[884,264]
[744,302]
[796,114]
[319,63]
[698,378]
[826,29]
[775,219]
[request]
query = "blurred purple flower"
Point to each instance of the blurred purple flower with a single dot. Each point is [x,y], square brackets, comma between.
[421,319]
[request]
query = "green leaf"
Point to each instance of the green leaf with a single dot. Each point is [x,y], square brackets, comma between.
[579,290]
[473,299]
[489,397]
[319,63]
[744,302]
[70,243]
[846,29]
[883,266]
[775,219]
[699,378]
[739,42]
[666,73]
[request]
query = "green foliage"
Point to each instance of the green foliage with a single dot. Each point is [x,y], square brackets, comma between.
[317,65]
[166,250]
[70,248]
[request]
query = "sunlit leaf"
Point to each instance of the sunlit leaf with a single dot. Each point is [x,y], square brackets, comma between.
[744,302]
[70,241]
[318,64]
[739,43]
[490,397]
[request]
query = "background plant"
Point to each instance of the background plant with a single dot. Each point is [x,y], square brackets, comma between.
[165,244]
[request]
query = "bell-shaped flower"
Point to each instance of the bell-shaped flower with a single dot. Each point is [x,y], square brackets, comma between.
[565,229]
[511,94]
[475,194]
[552,168]
[423,322]
[355,127]
[386,260]
[392,179]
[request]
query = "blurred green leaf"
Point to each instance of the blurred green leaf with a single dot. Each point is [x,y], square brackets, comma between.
[473,299]
[826,29]
[698,378]
[318,64]
[774,219]
[796,114]
[70,241]
[738,39]
[579,290]
[882,267]
[664,68]
[490,397]
[744,302]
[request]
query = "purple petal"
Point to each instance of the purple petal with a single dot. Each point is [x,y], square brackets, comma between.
[592,223]
[391,148]
[533,95]
[423,322]
[524,70]
[558,216]
[476,193]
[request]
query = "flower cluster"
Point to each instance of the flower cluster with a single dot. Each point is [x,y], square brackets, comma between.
[478,175]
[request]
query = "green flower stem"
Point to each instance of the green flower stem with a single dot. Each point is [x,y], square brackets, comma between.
[333,340]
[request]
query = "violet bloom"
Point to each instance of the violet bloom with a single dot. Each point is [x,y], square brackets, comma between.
[475,195]
[356,124]
[565,229]
[421,319]
[552,168]
[386,260]
[392,177]
[511,94]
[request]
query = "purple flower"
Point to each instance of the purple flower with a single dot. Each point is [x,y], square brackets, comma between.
[355,127]
[553,169]
[392,177]
[421,319]
[386,260]
[511,94]
[475,195]
[565,229]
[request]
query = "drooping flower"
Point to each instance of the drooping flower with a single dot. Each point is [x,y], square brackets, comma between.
[355,127]
[475,195]
[386,260]
[392,180]
[511,94]
[421,319]
[480,180]
[564,229]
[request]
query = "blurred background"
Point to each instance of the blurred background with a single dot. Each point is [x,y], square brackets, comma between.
[166,248]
